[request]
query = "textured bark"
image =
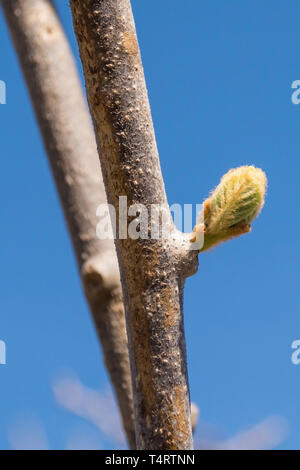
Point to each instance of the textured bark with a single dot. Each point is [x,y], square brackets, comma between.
[152,271]
[68,136]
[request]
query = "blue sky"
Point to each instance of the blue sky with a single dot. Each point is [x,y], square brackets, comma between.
[219,77]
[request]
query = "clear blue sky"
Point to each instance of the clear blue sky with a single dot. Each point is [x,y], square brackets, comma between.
[219,76]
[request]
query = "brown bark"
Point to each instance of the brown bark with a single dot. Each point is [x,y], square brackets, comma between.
[152,271]
[57,98]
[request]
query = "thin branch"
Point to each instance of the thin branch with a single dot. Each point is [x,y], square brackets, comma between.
[64,121]
[152,271]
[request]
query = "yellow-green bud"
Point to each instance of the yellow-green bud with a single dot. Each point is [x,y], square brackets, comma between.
[233,205]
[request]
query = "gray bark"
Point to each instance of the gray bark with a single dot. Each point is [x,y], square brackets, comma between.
[152,271]
[57,98]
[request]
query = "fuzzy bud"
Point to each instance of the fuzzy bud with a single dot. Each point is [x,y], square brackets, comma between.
[233,205]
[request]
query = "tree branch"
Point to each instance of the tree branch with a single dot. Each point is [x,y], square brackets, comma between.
[65,125]
[152,271]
